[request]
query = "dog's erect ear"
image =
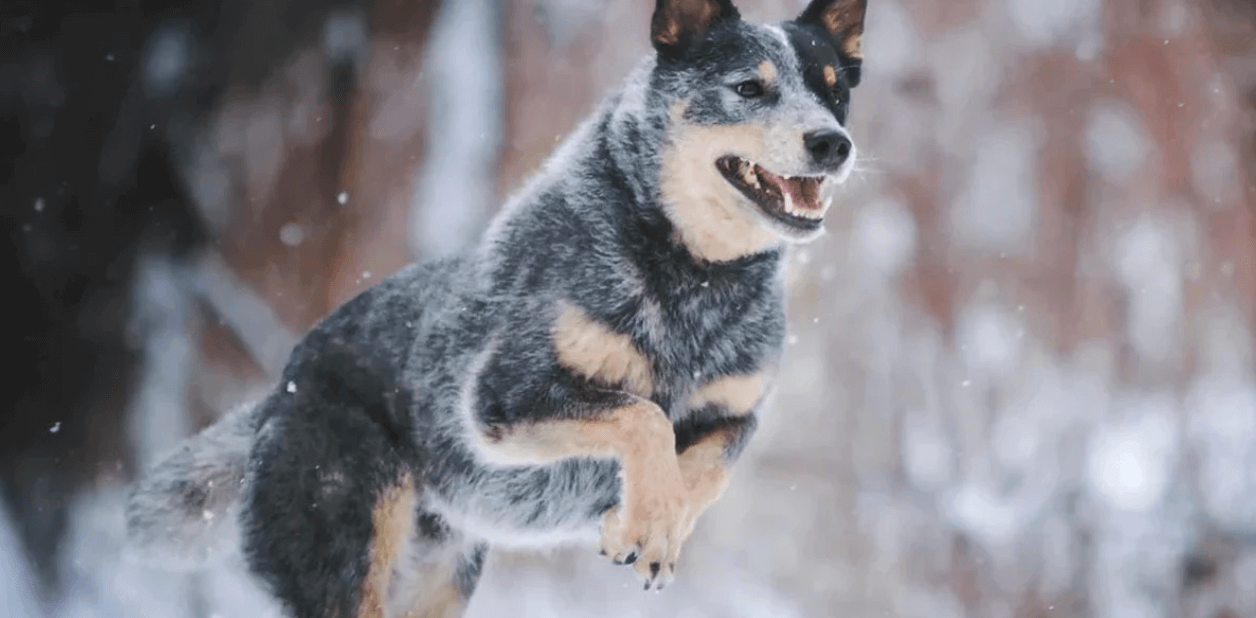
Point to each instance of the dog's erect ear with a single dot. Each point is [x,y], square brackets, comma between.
[843,20]
[677,23]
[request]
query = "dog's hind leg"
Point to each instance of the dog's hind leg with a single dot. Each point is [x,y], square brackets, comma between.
[334,476]
[328,511]
[441,575]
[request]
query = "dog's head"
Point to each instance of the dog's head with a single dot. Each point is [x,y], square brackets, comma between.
[756,142]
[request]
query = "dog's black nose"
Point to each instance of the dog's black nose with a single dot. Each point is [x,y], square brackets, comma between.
[828,149]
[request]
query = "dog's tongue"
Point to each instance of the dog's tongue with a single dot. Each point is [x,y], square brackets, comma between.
[803,192]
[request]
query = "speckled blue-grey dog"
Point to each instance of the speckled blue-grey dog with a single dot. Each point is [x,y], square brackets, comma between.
[587,372]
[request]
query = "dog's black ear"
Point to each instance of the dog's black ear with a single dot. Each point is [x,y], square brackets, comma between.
[678,23]
[843,20]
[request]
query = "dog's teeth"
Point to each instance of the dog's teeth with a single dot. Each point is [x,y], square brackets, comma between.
[789,202]
[827,202]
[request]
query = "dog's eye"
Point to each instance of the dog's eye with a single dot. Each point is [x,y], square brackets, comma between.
[749,89]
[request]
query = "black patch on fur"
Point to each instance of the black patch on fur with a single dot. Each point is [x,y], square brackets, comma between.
[324,456]
[432,528]
[338,372]
[470,566]
[816,51]
[712,420]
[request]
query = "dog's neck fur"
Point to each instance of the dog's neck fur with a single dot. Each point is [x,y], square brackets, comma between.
[630,124]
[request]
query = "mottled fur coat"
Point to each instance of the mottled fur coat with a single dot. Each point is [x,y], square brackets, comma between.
[588,372]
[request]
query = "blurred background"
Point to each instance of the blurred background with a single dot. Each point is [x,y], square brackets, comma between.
[1020,376]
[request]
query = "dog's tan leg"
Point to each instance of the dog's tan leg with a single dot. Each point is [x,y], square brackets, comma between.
[648,527]
[727,405]
[704,469]
[392,522]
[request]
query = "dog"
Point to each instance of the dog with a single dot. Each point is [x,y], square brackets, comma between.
[587,373]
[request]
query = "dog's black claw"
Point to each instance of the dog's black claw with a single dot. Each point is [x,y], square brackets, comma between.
[601,552]
[647,586]
[630,558]
[654,569]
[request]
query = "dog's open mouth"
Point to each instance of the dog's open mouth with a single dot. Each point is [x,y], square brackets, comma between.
[794,201]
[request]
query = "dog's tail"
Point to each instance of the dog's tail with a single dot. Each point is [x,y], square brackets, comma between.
[183,513]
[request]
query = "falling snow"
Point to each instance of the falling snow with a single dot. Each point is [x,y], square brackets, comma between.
[292,234]
[1018,376]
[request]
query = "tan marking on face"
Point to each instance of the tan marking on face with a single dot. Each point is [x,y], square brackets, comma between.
[767,71]
[851,46]
[392,520]
[702,205]
[593,350]
[738,394]
[830,75]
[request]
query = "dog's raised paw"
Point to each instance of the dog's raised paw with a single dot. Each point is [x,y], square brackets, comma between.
[648,537]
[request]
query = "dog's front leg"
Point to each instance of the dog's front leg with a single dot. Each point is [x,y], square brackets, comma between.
[719,423]
[704,470]
[705,460]
[648,527]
